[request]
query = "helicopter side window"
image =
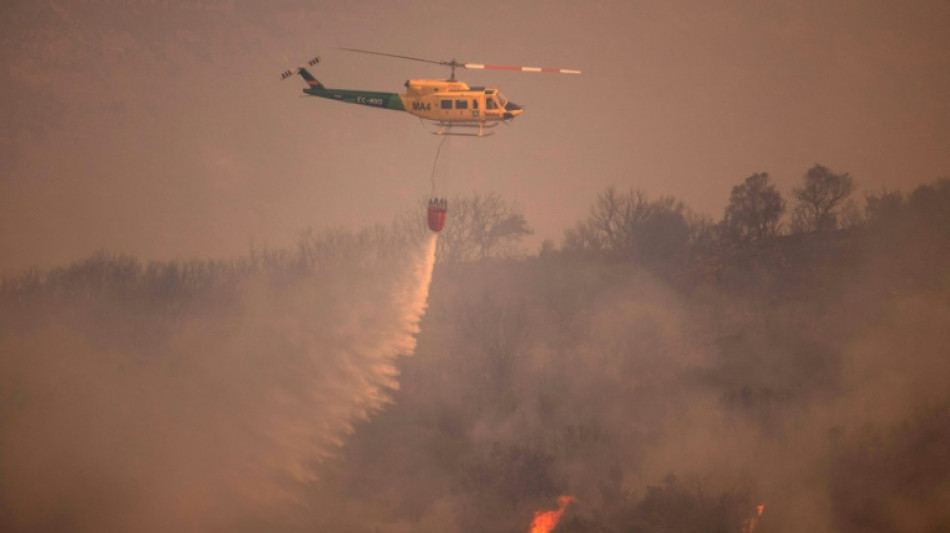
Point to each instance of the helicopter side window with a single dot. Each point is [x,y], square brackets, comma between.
[446,104]
[474,104]
[461,104]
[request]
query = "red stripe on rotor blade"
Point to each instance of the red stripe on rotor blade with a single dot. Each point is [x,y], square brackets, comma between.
[529,69]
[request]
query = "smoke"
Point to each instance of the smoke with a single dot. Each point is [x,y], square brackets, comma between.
[220,424]
[662,409]
[814,388]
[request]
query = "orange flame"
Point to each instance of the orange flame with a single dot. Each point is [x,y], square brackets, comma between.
[545,521]
[749,524]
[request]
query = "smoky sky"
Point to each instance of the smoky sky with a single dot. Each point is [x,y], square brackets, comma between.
[160,128]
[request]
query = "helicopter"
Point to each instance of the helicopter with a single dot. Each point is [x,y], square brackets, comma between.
[446,104]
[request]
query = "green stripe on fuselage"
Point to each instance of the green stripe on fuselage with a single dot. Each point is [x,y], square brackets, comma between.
[370,98]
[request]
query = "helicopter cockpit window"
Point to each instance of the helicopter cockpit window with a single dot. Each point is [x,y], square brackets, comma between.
[490,103]
[461,104]
[502,100]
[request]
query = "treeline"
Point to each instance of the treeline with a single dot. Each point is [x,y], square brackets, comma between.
[117,284]
[669,371]
[759,232]
[663,235]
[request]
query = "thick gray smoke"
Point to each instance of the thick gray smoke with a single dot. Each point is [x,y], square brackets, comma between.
[818,393]
[805,374]
[219,423]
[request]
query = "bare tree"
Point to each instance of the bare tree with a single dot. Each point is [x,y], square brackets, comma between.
[629,226]
[481,226]
[821,201]
[611,224]
[754,210]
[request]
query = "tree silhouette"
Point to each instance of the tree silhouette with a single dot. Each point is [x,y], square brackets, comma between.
[883,206]
[754,210]
[481,226]
[628,226]
[821,200]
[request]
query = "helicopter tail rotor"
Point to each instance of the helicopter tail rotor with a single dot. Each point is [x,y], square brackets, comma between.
[304,73]
[290,72]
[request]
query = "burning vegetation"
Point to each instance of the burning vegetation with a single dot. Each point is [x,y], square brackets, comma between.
[669,372]
[749,524]
[546,521]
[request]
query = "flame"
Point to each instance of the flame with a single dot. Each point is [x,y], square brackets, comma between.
[545,521]
[749,524]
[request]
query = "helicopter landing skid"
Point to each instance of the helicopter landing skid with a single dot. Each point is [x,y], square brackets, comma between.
[445,128]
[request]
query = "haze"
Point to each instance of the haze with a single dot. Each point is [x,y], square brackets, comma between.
[702,287]
[160,128]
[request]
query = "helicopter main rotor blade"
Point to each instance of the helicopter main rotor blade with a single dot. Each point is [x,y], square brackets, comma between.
[520,69]
[455,63]
[395,55]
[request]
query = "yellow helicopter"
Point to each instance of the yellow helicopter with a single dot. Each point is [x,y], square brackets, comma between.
[447,104]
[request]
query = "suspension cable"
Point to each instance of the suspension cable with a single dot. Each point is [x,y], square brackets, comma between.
[436,162]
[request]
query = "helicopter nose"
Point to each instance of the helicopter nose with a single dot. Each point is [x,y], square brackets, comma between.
[512,110]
